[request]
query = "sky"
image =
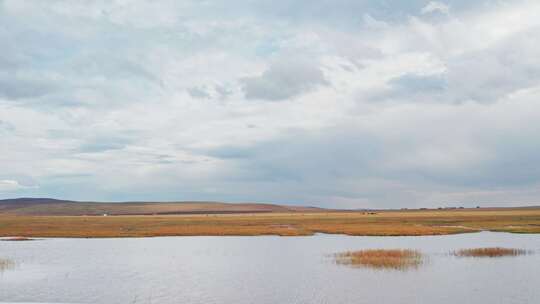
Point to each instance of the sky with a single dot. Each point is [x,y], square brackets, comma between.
[331,103]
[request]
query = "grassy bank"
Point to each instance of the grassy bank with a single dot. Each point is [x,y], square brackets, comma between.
[386,223]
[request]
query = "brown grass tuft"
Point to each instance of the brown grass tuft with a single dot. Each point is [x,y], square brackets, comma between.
[6,264]
[398,259]
[489,252]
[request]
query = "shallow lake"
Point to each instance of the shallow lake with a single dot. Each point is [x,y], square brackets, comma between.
[266,269]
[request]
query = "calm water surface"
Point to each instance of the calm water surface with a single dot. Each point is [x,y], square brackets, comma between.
[265,269]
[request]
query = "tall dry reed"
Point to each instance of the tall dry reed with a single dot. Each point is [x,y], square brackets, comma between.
[491,252]
[6,264]
[399,259]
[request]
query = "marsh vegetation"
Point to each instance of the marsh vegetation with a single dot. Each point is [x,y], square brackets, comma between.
[383,223]
[490,252]
[398,259]
[6,264]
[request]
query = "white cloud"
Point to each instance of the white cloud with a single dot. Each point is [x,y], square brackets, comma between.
[284,79]
[8,185]
[435,6]
[387,107]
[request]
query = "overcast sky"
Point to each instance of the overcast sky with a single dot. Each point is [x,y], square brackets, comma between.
[334,103]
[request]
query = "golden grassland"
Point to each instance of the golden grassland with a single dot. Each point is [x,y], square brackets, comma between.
[380,223]
[489,252]
[398,259]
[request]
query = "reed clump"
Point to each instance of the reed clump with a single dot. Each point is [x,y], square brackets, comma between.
[491,252]
[6,264]
[398,259]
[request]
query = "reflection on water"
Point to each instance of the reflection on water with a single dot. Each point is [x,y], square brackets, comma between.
[16,239]
[265,269]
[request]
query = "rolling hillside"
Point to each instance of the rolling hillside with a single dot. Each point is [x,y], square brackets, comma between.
[47,206]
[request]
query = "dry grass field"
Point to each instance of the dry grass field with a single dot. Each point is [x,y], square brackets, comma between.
[380,223]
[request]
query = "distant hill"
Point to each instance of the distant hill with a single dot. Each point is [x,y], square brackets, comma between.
[48,206]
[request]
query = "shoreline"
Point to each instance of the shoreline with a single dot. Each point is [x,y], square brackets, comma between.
[2,238]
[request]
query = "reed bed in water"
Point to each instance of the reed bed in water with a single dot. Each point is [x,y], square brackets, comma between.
[398,259]
[491,252]
[6,264]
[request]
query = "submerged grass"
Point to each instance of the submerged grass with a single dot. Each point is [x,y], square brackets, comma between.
[491,252]
[6,264]
[397,259]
